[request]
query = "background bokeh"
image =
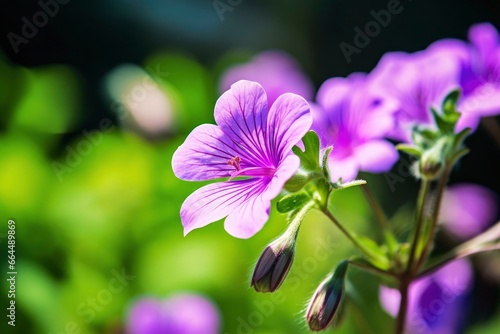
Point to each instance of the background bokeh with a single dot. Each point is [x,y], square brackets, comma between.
[89,182]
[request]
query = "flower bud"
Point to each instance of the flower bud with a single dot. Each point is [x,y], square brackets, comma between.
[275,263]
[433,160]
[326,300]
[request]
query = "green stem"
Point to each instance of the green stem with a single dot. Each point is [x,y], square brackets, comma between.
[381,218]
[419,222]
[434,218]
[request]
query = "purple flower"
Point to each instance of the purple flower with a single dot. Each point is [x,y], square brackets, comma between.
[276,71]
[422,79]
[180,314]
[437,303]
[354,117]
[479,72]
[248,141]
[417,81]
[468,209]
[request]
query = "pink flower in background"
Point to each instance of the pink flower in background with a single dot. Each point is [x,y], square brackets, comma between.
[353,117]
[276,71]
[249,141]
[180,314]
[438,303]
[468,209]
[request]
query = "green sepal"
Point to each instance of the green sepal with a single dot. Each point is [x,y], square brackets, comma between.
[449,105]
[349,184]
[410,149]
[460,137]
[292,202]
[324,163]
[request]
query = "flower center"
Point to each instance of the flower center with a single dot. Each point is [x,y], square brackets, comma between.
[235,162]
[249,171]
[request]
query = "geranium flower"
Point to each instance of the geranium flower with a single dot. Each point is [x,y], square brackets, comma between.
[418,81]
[436,303]
[468,209]
[248,141]
[422,79]
[179,314]
[276,71]
[479,71]
[353,117]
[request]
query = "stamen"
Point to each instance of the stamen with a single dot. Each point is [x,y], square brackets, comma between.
[235,162]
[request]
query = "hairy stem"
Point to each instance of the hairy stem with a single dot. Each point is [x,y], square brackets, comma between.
[435,217]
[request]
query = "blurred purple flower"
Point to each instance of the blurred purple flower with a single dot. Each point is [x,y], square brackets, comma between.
[468,209]
[180,314]
[248,141]
[353,117]
[422,79]
[418,81]
[479,72]
[437,303]
[276,71]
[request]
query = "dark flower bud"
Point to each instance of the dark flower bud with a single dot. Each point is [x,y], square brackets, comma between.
[275,262]
[326,300]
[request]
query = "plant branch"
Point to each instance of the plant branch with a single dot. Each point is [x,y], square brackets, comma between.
[419,222]
[479,244]
[435,217]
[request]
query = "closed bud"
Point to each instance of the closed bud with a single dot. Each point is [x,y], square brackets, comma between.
[325,302]
[433,160]
[275,262]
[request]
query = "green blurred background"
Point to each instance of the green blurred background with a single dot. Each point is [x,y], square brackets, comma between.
[91,187]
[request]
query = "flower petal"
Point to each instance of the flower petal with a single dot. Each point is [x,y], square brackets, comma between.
[376,156]
[344,167]
[215,201]
[288,121]
[251,216]
[204,155]
[484,37]
[241,114]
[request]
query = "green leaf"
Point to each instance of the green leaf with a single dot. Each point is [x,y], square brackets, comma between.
[292,202]
[309,158]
